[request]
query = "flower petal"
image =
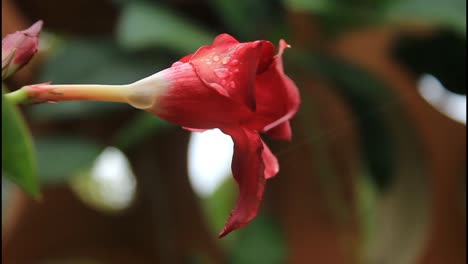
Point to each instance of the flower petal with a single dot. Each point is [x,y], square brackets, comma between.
[281,131]
[186,58]
[248,170]
[230,67]
[277,99]
[270,162]
[187,101]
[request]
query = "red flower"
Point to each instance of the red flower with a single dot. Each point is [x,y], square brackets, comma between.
[240,88]
[18,48]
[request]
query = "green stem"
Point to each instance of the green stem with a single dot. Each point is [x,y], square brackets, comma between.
[17,97]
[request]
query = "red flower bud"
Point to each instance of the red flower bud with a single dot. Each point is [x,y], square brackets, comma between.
[18,48]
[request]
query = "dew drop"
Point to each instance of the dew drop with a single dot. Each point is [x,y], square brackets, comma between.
[223,82]
[216,58]
[234,62]
[232,84]
[177,63]
[222,72]
[226,60]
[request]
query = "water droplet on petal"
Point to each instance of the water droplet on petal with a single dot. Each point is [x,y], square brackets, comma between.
[232,84]
[226,60]
[223,82]
[216,58]
[222,72]
[177,63]
[234,62]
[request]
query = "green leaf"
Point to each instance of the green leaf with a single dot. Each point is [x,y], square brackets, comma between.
[61,157]
[18,161]
[248,20]
[316,6]
[341,14]
[145,25]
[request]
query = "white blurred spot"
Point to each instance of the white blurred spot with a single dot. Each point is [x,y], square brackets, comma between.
[209,160]
[113,178]
[451,104]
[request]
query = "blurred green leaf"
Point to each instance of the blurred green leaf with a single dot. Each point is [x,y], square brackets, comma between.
[341,15]
[61,157]
[143,124]
[145,25]
[248,20]
[260,242]
[309,5]
[18,159]
[451,13]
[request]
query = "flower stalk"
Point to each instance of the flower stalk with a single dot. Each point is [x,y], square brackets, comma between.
[41,93]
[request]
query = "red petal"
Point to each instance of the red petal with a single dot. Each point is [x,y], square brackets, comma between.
[277,98]
[248,170]
[188,102]
[266,56]
[229,67]
[281,131]
[270,161]
[186,58]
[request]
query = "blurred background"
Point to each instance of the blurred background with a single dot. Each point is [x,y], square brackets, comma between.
[375,174]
